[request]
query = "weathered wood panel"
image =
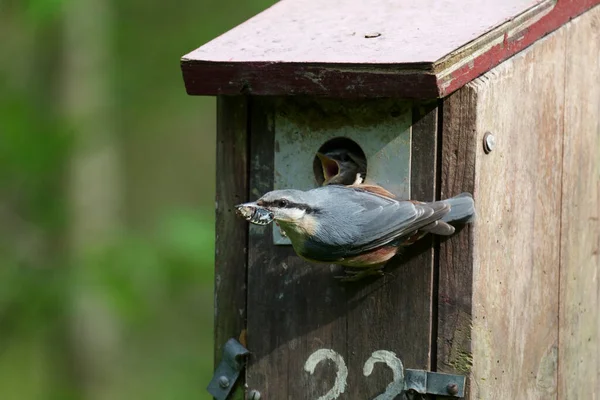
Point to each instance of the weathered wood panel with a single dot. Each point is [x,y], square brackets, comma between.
[513,323]
[231,231]
[522,32]
[394,313]
[355,32]
[579,338]
[296,308]
[409,49]
[455,265]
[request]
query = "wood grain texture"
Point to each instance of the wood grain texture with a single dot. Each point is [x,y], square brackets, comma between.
[294,307]
[455,265]
[519,34]
[268,78]
[512,323]
[425,155]
[395,312]
[345,31]
[231,231]
[579,337]
[424,151]
[350,48]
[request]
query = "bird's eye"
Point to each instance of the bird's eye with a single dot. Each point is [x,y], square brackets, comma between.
[282,203]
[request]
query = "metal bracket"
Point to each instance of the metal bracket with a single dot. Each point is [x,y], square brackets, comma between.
[228,370]
[425,382]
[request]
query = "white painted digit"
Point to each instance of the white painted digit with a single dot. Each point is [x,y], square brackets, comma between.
[389,358]
[339,386]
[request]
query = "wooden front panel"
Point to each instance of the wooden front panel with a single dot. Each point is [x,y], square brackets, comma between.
[455,265]
[579,344]
[294,308]
[511,290]
[394,313]
[516,256]
[297,309]
[231,232]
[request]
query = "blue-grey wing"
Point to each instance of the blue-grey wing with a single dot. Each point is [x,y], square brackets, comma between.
[371,221]
[394,222]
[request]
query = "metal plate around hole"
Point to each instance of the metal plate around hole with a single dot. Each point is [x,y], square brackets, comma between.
[382,128]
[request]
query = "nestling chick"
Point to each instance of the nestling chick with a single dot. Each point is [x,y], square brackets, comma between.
[360,225]
[342,167]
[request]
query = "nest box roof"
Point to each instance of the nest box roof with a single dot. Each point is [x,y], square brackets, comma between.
[419,49]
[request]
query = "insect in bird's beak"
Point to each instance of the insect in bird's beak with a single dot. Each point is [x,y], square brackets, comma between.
[254,213]
[330,167]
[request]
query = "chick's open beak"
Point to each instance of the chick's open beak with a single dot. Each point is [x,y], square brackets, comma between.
[331,168]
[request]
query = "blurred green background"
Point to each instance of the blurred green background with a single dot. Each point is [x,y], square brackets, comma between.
[107,183]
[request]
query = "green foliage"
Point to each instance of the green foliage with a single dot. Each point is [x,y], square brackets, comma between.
[41,11]
[154,276]
[141,276]
[29,298]
[157,288]
[33,151]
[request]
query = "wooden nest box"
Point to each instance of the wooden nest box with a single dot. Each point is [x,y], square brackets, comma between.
[500,99]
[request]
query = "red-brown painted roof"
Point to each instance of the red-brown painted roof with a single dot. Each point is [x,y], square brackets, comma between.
[375,48]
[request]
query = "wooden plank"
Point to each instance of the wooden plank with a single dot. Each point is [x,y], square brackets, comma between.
[294,308]
[340,32]
[579,339]
[268,78]
[352,48]
[424,151]
[512,325]
[231,231]
[394,313]
[455,259]
[517,36]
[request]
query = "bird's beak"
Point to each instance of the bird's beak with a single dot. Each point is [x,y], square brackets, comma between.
[330,167]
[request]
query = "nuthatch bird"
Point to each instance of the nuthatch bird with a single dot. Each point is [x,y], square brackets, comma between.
[342,167]
[356,226]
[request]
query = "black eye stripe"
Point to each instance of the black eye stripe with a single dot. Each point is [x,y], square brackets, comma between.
[284,203]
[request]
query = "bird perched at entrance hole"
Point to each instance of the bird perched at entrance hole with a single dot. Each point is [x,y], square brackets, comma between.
[342,167]
[358,225]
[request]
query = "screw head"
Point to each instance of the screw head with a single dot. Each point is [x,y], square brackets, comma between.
[452,388]
[224,382]
[254,395]
[489,142]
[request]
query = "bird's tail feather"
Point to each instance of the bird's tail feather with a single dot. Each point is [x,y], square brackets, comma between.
[462,209]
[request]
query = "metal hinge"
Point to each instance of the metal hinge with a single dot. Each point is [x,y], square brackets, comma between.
[425,382]
[228,370]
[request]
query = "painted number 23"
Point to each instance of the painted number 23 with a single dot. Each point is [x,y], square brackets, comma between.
[339,386]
